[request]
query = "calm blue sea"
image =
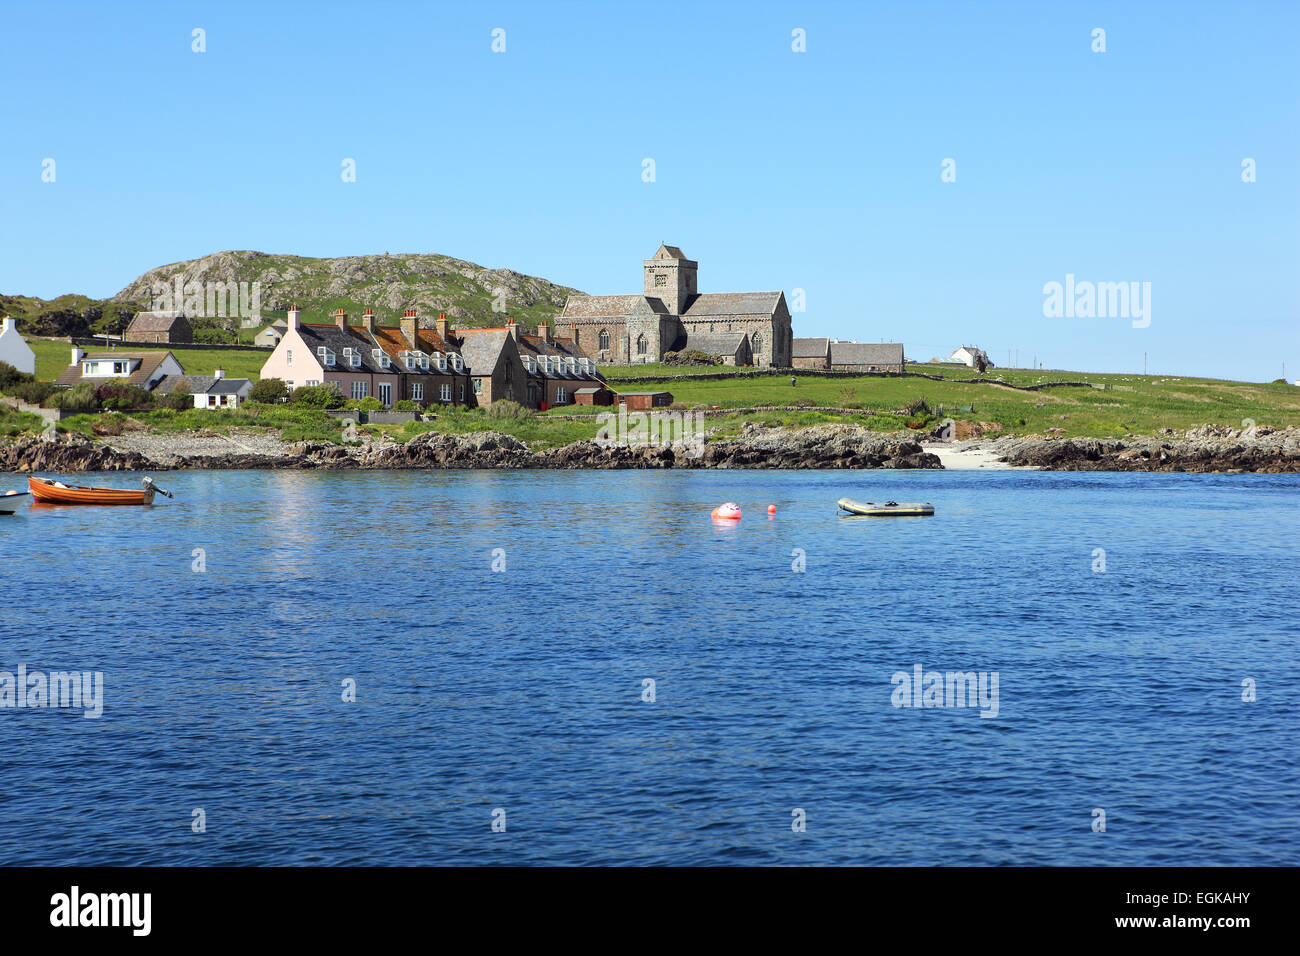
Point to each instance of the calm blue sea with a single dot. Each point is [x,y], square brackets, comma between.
[521,690]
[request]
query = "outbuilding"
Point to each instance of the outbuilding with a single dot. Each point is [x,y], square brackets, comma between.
[643,401]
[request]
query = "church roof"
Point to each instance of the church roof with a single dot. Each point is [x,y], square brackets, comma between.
[732,303]
[670,252]
[715,343]
[866,353]
[810,348]
[610,306]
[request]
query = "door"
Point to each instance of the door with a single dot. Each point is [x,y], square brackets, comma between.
[386,394]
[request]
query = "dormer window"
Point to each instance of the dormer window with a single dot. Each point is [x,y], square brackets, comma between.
[457,362]
[326,355]
[380,357]
[442,362]
[353,357]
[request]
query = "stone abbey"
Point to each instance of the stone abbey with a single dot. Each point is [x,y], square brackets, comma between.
[672,315]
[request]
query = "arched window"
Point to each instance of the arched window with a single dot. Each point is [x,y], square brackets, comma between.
[641,345]
[604,340]
[758,346]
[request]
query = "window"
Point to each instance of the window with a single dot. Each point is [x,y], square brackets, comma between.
[641,345]
[478,386]
[119,368]
[386,394]
[417,391]
[360,388]
[604,339]
[212,401]
[313,381]
[561,395]
[758,345]
[288,356]
[444,393]
[661,280]
[462,392]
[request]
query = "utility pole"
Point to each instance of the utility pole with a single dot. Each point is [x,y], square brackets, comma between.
[1144,363]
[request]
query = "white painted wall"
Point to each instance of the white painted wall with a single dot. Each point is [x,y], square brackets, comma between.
[14,348]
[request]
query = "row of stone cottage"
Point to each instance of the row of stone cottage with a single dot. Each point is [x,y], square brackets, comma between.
[431,363]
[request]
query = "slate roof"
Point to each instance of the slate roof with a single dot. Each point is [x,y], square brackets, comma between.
[201,385]
[611,306]
[149,362]
[732,303]
[336,340]
[715,343]
[811,348]
[673,252]
[154,321]
[534,345]
[481,349]
[866,353]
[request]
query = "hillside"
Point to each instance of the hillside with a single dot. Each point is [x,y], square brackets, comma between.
[386,283]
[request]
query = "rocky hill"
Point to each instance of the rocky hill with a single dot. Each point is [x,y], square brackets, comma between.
[389,284]
[386,283]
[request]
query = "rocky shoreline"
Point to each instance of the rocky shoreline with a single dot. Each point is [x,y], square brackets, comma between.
[1205,449]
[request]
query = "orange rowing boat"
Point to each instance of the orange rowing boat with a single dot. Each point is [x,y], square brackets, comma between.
[56,492]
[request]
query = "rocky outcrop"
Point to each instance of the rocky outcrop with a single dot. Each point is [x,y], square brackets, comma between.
[68,454]
[1206,448]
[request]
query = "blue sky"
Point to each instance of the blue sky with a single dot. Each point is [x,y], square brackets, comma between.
[818,171]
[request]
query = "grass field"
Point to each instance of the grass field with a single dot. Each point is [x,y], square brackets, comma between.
[53,357]
[1113,406]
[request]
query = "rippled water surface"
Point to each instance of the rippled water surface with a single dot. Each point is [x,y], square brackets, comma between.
[522,689]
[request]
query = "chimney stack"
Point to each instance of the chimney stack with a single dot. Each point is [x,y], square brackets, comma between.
[410,325]
[513,328]
[219,373]
[341,319]
[9,324]
[294,317]
[442,326]
[543,332]
[77,355]
[368,320]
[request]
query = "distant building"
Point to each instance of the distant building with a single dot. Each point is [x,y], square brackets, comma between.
[866,356]
[143,369]
[811,353]
[970,355]
[644,401]
[271,335]
[209,391]
[14,349]
[670,315]
[556,368]
[166,328]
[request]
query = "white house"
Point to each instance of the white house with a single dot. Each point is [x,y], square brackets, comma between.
[209,391]
[15,350]
[969,355]
[145,369]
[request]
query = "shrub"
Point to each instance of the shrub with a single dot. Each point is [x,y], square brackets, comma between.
[114,397]
[508,409]
[80,398]
[178,400]
[918,407]
[32,392]
[10,376]
[406,405]
[268,391]
[317,396]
